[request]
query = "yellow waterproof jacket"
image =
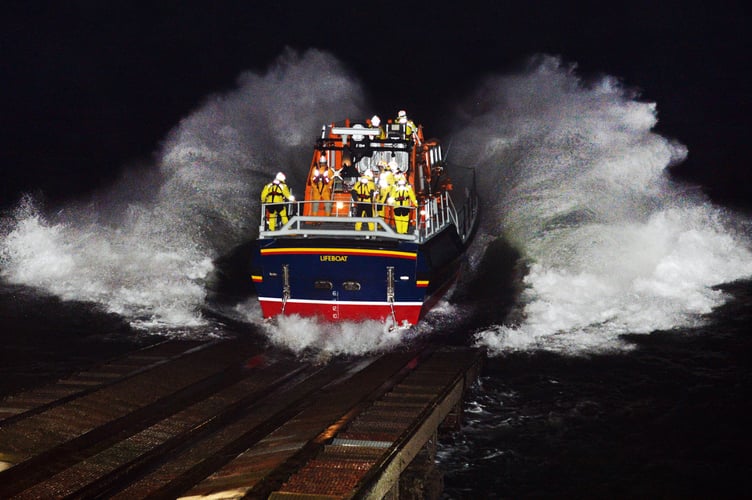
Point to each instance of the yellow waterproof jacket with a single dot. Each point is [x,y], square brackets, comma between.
[275,193]
[386,183]
[403,196]
[363,192]
[410,126]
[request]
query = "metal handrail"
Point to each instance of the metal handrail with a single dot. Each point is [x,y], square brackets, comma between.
[430,217]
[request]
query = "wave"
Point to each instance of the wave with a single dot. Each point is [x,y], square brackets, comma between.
[146,247]
[572,174]
[575,178]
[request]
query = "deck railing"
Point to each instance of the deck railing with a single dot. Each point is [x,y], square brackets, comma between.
[429,218]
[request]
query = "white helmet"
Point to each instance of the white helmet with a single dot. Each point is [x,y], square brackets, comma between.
[280,177]
[368,174]
[402,114]
[375,121]
[322,159]
[393,165]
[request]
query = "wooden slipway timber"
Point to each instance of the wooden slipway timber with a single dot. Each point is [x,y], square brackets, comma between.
[227,419]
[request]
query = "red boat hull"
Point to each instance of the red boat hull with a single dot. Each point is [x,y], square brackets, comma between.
[343,311]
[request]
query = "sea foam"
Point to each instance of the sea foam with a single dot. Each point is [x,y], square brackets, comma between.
[575,178]
[145,247]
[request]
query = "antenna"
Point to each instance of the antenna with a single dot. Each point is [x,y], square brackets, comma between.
[449,146]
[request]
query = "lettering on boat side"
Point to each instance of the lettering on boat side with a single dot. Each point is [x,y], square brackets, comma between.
[333,258]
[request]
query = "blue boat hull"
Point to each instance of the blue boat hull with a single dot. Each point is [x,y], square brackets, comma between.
[339,279]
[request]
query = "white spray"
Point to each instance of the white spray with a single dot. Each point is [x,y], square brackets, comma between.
[144,249]
[572,174]
[575,178]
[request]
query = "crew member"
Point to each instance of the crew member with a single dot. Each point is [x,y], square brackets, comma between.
[402,198]
[376,123]
[363,193]
[386,181]
[274,195]
[410,126]
[321,187]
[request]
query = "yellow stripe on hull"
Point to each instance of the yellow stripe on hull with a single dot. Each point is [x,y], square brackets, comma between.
[339,251]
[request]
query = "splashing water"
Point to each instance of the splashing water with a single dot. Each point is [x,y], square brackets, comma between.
[572,175]
[145,272]
[145,249]
[309,334]
[575,178]
[348,337]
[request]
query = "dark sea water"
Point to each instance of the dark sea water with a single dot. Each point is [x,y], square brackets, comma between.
[668,419]
[614,302]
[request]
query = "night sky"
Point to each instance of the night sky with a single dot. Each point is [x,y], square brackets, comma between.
[90,88]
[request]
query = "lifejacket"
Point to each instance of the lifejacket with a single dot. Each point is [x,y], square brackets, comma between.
[386,178]
[273,191]
[363,192]
[403,196]
[320,176]
[320,181]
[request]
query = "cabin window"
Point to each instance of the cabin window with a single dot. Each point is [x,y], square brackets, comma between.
[395,131]
[435,154]
[378,156]
[403,160]
[364,165]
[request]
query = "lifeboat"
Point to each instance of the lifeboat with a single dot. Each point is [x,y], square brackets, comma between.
[345,254]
